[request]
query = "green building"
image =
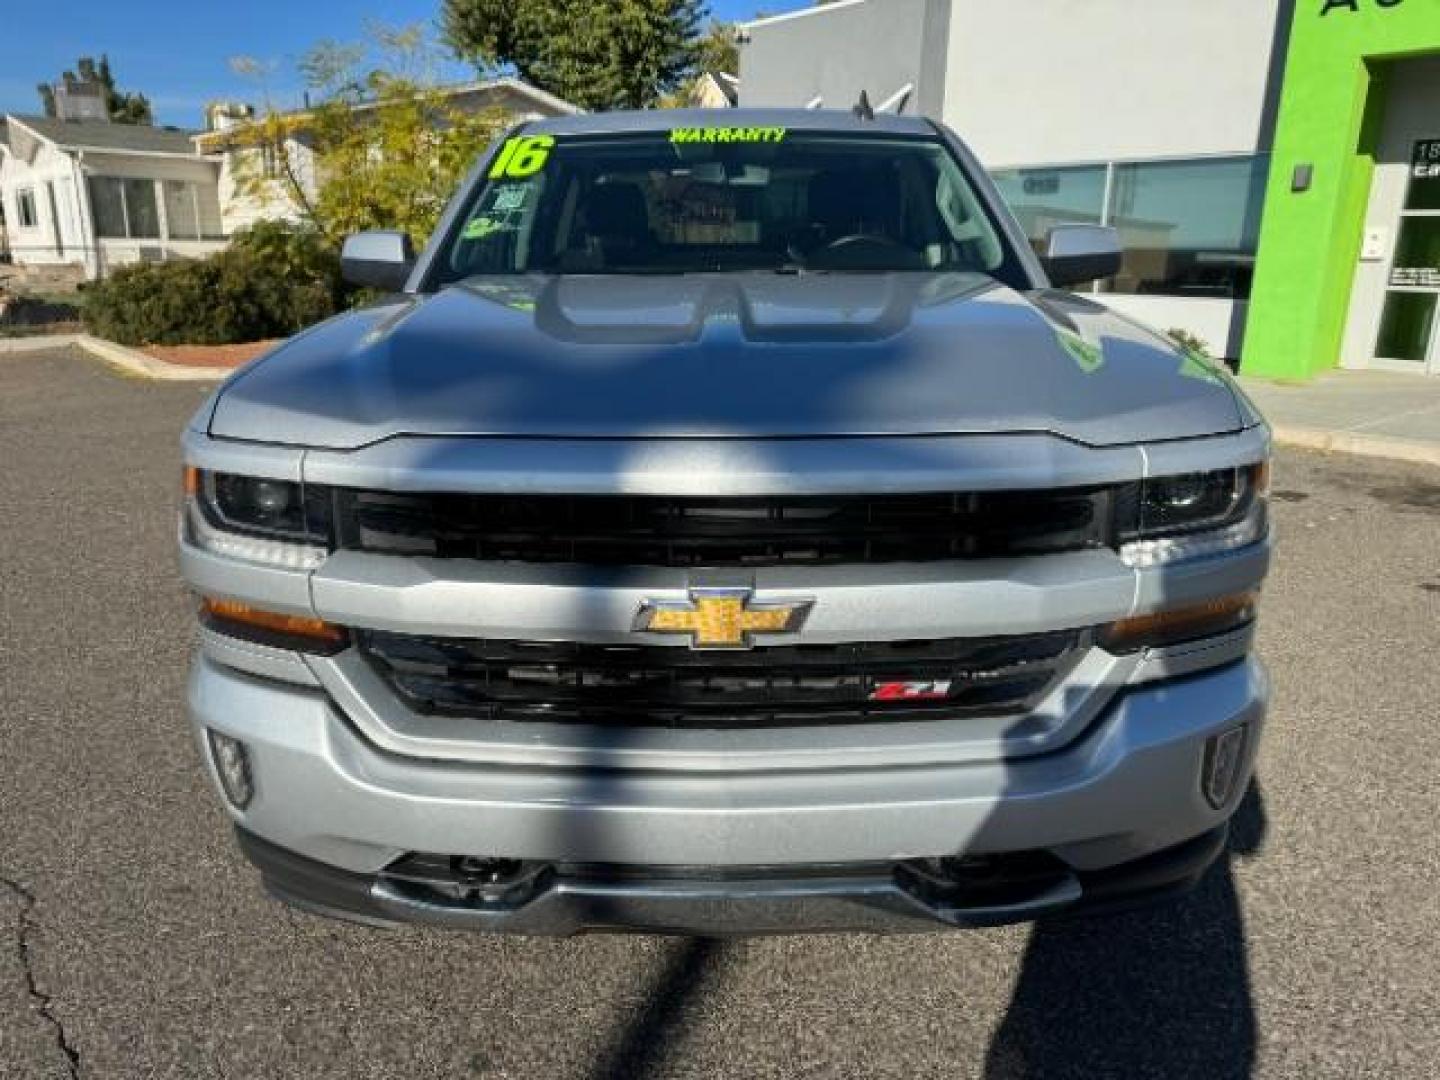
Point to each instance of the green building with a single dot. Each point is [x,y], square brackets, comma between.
[1348,270]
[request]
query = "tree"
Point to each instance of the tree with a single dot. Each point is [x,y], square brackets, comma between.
[121,107]
[717,52]
[622,54]
[383,147]
[720,50]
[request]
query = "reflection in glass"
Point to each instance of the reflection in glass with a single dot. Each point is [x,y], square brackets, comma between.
[181,219]
[107,206]
[140,207]
[1043,198]
[1190,228]
[1405,327]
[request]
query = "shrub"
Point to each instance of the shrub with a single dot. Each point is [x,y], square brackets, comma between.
[1188,342]
[272,281]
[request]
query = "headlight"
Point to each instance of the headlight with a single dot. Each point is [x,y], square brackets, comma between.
[257,519]
[1170,518]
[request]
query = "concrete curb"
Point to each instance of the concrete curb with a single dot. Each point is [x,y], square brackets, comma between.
[1358,443]
[131,361]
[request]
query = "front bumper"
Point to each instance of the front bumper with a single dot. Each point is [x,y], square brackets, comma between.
[879,900]
[331,811]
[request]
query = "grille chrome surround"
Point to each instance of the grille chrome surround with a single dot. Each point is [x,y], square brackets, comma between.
[674,687]
[643,530]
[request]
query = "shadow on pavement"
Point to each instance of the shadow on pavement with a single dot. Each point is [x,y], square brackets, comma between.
[640,1050]
[1161,992]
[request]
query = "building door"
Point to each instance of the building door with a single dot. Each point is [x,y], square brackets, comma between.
[1409,333]
[1394,318]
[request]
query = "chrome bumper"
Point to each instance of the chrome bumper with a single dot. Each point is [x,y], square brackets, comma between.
[1128,787]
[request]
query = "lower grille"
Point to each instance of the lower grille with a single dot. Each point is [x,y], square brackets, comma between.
[780,686]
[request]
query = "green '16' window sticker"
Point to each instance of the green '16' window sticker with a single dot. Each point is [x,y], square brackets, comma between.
[522,156]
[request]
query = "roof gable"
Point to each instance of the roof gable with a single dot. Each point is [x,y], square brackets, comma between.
[100,135]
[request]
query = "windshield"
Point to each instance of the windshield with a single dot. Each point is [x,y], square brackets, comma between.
[724,199]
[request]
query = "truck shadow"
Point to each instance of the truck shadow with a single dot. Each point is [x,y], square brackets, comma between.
[1156,992]
[646,1041]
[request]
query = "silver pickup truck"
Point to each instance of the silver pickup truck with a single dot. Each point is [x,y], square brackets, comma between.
[726,526]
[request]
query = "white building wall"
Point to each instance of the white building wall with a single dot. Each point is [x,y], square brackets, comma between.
[1054,81]
[832,52]
[248,196]
[58,236]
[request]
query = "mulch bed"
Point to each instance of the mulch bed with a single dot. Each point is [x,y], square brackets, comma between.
[221,356]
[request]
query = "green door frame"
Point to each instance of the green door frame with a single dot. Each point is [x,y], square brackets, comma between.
[1331,109]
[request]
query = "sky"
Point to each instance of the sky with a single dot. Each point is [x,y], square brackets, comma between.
[177,52]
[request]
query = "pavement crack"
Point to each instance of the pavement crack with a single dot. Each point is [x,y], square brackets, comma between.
[24,948]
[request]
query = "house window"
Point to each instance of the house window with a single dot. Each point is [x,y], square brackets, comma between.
[25,209]
[108,206]
[125,208]
[182,210]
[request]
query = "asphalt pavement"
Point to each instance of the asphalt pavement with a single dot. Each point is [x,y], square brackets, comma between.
[135,942]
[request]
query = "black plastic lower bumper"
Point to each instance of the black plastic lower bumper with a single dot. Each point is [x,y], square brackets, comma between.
[868,899]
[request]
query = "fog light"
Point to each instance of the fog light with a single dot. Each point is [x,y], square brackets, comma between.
[232,764]
[1223,756]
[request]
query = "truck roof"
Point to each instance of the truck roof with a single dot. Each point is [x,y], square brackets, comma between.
[613,123]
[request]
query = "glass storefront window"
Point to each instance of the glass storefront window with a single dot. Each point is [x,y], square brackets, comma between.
[1044,198]
[1424,193]
[1190,228]
[1405,326]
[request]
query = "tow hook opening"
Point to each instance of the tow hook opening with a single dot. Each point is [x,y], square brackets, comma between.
[468,879]
[983,880]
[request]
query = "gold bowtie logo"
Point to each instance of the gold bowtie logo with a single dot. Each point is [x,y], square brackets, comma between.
[722,618]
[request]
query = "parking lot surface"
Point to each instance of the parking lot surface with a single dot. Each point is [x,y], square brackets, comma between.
[136,943]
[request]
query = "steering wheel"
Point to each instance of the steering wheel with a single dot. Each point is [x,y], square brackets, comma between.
[860,249]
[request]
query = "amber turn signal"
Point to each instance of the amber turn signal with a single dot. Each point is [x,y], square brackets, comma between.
[1181,624]
[271,627]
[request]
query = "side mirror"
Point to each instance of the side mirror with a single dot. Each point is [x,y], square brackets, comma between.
[1075,254]
[380,259]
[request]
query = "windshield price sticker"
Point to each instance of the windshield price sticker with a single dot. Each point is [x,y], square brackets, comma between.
[522,157]
[728,135]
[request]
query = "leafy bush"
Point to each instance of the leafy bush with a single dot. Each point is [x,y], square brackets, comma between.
[272,281]
[1188,342]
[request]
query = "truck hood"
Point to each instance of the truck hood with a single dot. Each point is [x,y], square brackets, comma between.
[725,355]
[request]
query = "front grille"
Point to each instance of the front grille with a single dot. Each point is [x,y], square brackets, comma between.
[624,530]
[672,686]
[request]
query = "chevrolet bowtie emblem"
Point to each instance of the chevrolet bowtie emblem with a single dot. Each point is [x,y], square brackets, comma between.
[722,618]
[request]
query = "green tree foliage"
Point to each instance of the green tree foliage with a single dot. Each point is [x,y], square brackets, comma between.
[382,148]
[272,281]
[122,107]
[719,49]
[622,54]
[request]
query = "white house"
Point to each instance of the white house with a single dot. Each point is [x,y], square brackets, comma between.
[86,195]
[251,185]
[79,196]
